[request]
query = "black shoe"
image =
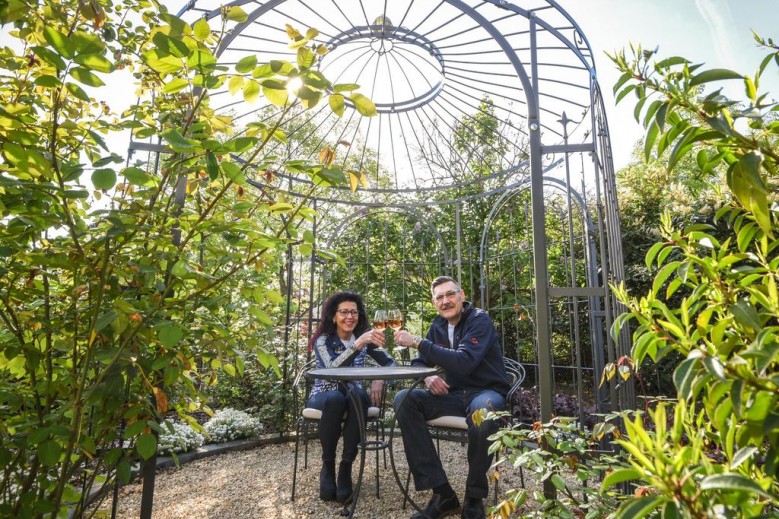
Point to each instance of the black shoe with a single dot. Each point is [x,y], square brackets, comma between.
[473,509]
[345,489]
[439,507]
[327,481]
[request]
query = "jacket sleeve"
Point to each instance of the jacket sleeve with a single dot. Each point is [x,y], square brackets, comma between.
[381,356]
[477,336]
[326,357]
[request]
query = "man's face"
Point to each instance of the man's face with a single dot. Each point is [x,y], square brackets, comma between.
[448,300]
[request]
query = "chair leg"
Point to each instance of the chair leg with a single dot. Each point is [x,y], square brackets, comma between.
[295,466]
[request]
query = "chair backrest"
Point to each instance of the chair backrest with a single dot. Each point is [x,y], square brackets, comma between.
[516,373]
[301,387]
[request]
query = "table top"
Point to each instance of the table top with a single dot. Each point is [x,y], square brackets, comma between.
[372,373]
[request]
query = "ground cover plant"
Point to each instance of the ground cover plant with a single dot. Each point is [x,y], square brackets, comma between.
[125,289]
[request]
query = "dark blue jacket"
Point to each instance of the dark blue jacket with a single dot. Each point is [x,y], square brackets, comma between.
[476,359]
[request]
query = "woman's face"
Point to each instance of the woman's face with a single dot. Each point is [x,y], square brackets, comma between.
[346,317]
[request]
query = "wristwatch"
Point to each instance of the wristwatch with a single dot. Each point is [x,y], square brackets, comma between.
[415,340]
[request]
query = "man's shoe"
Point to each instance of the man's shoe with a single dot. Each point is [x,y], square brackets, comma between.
[439,507]
[473,509]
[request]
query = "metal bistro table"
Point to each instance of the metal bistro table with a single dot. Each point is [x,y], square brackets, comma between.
[370,373]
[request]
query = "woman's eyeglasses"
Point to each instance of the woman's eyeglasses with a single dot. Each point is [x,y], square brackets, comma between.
[347,313]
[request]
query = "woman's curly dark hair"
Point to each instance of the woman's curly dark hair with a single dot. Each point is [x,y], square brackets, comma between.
[326,322]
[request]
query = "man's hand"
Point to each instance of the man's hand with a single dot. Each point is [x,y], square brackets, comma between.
[437,385]
[404,338]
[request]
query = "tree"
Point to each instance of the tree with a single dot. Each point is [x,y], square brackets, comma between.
[713,300]
[155,277]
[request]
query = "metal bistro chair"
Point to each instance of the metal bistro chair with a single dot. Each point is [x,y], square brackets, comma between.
[455,428]
[307,422]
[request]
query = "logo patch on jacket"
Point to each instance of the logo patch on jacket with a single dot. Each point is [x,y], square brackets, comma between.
[474,340]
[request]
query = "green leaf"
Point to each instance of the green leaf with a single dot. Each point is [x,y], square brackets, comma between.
[212,165]
[305,57]
[281,207]
[251,91]
[178,142]
[104,178]
[638,508]
[77,91]
[620,475]
[104,320]
[337,105]
[49,56]
[734,483]
[175,85]
[236,14]
[170,334]
[229,369]
[235,84]
[716,74]
[166,46]
[363,105]
[201,30]
[202,60]
[49,452]
[137,177]
[146,445]
[246,64]
[276,97]
[684,375]
[745,314]
[234,172]
[59,41]
[83,75]
[162,62]
[345,87]
[96,62]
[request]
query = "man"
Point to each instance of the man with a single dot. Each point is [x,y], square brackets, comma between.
[463,341]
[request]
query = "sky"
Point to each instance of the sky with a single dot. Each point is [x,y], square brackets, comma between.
[715,32]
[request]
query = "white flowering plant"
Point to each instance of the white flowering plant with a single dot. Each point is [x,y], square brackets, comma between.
[230,424]
[182,438]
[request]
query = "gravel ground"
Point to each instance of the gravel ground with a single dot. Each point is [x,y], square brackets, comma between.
[257,484]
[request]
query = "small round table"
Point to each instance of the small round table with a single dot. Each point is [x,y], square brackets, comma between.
[370,373]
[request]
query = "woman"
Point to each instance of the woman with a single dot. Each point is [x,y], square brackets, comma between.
[343,338]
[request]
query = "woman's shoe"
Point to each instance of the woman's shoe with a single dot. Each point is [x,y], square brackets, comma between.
[327,488]
[345,489]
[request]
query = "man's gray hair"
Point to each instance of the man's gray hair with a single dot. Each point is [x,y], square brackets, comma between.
[440,280]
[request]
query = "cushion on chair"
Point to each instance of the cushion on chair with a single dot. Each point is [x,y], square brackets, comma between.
[315,414]
[452,422]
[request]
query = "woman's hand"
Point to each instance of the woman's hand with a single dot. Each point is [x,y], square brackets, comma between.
[370,337]
[376,389]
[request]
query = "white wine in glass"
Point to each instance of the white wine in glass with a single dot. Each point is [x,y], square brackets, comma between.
[380,320]
[394,319]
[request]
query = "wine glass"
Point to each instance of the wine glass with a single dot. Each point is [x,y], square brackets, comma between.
[380,320]
[395,321]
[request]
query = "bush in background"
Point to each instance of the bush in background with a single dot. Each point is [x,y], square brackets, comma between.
[231,424]
[178,438]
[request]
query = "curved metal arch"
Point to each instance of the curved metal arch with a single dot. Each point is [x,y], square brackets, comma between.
[520,187]
[359,215]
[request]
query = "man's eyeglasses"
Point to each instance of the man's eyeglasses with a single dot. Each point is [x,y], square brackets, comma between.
[439,298]
[347,313]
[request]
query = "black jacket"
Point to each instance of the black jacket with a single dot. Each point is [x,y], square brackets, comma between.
[476,359]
